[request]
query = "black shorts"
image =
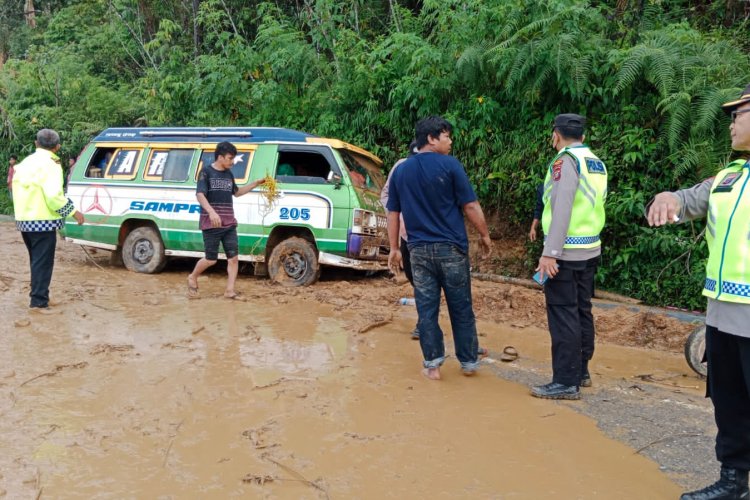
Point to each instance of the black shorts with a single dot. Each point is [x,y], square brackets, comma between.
[227,236]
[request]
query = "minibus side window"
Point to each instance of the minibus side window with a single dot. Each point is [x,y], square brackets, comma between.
[124,164]
[169,165]
[239,169]
[302,167]
[99,162]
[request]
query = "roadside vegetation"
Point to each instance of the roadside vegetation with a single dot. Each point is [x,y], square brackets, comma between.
[649,75]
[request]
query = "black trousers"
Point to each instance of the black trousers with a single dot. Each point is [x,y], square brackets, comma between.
[728,386]
[406,259]
[571,324]
[41,248]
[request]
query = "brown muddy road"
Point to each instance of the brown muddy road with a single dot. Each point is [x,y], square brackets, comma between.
[134,391]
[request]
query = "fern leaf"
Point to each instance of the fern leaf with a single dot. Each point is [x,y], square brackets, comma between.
[708,108]
[581,71]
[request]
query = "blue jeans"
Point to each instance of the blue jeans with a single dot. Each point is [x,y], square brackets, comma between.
[436,267]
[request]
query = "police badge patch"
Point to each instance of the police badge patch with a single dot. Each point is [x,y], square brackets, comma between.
[595,166]
[727,183]
[557,170]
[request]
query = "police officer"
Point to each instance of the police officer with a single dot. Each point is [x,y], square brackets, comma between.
[40,208]
[574,192]
[725,201]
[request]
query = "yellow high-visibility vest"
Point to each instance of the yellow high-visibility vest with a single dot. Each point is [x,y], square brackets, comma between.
[728,235]
[587,217]
[38,188]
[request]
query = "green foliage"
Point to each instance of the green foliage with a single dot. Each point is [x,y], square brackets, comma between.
[692,75]
[650,79]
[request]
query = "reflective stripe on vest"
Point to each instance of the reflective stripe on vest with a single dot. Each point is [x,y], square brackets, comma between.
[728,235]
[587,216]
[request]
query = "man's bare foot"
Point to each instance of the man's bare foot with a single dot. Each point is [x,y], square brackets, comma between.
[192,287]
[431,373]
[231,294]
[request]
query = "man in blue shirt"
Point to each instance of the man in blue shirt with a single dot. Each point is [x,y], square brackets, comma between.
[538,209]
[432,192]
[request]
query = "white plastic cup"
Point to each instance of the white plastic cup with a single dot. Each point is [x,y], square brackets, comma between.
[406,301]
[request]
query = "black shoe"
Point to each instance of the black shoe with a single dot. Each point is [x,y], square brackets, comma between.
[586,379]
[554,390]
[732,485]
[585,375]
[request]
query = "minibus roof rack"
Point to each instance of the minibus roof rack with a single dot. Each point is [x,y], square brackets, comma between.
[202,134]
[196,133]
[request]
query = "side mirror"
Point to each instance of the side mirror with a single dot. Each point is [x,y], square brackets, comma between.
[334,178]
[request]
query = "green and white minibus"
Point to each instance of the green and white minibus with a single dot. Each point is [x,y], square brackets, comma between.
[136,188]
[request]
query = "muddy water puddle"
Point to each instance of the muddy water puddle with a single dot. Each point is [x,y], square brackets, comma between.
[133,391]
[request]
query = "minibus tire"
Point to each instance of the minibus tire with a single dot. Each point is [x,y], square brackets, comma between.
[143,251]
[695,351]
[294,262]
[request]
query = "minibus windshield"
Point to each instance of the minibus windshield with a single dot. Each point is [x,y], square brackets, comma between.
[363,172]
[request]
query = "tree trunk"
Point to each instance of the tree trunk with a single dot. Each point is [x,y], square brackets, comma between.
[196,29]
[30,14]
[149,20]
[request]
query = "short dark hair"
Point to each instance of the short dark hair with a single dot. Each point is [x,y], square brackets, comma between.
[47,138]
[570,133]
[223,149]
[13,157]
[432,126]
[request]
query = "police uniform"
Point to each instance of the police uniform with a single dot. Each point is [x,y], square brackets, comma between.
[724,201]
[40,208]
[575,189]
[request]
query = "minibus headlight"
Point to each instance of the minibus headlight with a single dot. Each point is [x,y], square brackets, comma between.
[364,222]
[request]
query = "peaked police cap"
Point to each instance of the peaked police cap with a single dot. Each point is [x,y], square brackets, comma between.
[570,120]
[730,106]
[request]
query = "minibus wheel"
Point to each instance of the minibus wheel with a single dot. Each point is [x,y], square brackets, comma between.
[143,251]
[294,262]
[695,350]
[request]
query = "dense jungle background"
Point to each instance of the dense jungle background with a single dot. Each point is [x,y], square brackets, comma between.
[650,76]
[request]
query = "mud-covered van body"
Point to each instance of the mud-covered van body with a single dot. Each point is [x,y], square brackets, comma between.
[136,188]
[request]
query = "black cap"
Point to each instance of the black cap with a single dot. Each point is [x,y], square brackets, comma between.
[570,120]
[730,106]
